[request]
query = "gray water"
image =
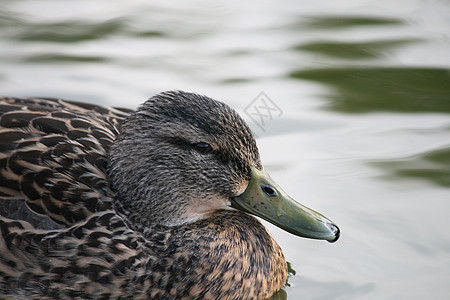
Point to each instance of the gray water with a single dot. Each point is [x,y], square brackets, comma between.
[359,124]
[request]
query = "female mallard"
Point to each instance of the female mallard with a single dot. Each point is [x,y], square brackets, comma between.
[97,202]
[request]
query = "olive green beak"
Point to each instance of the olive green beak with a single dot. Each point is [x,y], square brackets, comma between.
[265,199]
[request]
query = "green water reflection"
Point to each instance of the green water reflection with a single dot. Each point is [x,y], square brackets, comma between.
[340,22]
[375,89]
[63,58]
[150,33]
[352,50]
[433,166]
[61,32]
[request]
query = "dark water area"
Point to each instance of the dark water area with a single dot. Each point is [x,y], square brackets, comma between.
[361,131]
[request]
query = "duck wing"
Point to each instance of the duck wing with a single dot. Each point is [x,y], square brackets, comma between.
[53,159]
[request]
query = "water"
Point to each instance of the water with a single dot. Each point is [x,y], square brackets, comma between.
[363,89]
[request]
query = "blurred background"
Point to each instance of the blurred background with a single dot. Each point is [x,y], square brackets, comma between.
[350,102]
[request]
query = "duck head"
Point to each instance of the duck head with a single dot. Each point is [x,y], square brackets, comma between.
[182,157]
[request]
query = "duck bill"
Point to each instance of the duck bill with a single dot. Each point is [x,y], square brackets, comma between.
[265,199]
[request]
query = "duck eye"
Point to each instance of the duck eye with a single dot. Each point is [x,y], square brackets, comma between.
[203,147]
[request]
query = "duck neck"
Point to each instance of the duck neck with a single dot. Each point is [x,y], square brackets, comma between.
[230,254]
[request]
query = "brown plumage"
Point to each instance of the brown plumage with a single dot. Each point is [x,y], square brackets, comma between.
[105,203]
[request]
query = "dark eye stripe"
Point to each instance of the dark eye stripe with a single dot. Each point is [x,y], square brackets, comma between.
[202,147]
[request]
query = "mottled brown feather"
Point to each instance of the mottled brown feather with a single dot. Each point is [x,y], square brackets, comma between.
[52,154]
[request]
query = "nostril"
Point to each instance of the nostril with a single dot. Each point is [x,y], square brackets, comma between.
[269,191]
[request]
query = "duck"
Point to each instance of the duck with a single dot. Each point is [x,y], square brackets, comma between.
[99,202]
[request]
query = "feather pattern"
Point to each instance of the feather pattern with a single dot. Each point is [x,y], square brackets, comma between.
[52,157]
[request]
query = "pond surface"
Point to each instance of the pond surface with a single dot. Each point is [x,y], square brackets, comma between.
[359,126]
